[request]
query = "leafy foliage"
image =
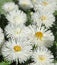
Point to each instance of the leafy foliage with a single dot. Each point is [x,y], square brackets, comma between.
[55,13]
[4,63]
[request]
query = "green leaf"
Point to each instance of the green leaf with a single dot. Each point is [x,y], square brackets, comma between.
[5,63]
[55,13]
[1,4]
[55,61]
[56,45]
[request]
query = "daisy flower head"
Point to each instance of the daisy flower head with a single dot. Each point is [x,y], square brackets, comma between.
[25,4]
[16,50]
[42,56]
[43,18]
[17,17]
[41,36]
[44,5]
[1,37]
[14,31]
[9,6]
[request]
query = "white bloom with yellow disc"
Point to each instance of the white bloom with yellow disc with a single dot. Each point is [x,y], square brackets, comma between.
[44,5]
[42,57]
[40,36]
[46,19]
[16,50]
[17,17]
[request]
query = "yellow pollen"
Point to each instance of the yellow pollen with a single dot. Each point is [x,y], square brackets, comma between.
[45,3]
[9,8]
[18,32]
[17,48]
[34,1]
[24,3]
[16,18]
[41,58]
[43,18]
[39,35]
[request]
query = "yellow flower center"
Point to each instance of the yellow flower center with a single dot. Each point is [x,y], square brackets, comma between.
[17,48]
[45,3]
[10,8]
[41,58]
[18,31]
[43,18]
[16,18]
[34,1]
[24,4]
[39,35]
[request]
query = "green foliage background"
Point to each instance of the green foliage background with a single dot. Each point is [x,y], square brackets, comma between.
[4,22]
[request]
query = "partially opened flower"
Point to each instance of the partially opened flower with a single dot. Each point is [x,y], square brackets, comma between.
[44,5]
[42,57]
[43,18]
[10,6]
[16,50]
[25,4]
[40,36]
[17,17]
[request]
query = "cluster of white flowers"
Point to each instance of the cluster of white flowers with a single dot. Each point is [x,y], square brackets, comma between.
[21,38]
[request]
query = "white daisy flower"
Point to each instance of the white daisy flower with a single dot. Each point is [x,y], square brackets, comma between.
[1,37]
[46,19]
[42,56]
[40,36]
[44,5]
[17,17]
[15,31]
[16,50]
[10,6]
[25,4]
